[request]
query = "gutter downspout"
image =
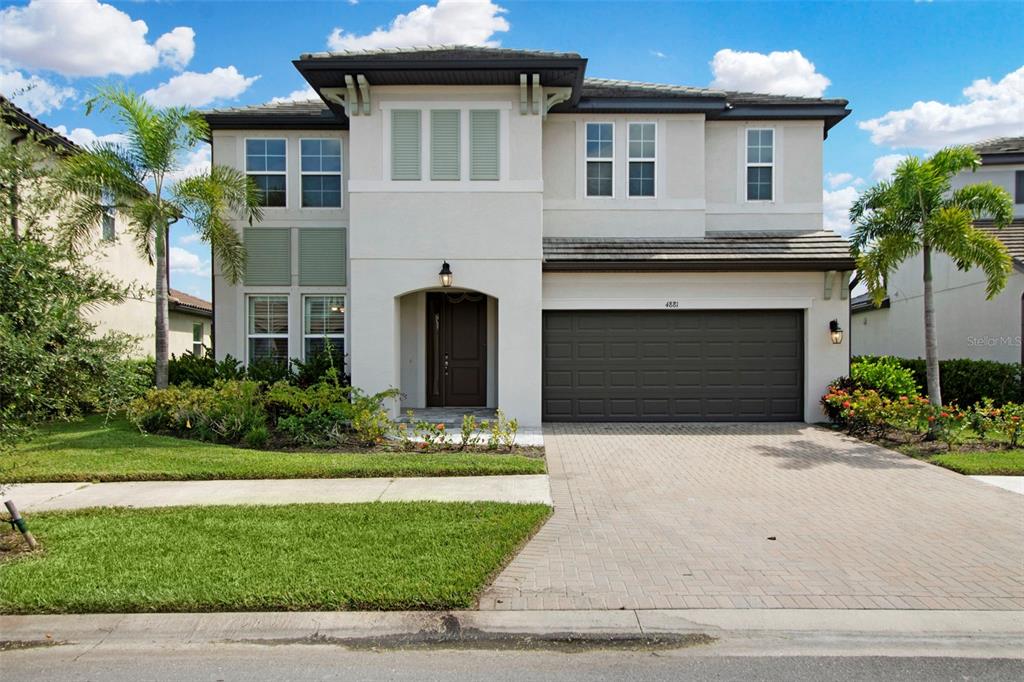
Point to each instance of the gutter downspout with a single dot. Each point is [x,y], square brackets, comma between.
[15,227]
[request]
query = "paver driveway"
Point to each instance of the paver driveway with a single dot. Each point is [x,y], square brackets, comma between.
[760,516]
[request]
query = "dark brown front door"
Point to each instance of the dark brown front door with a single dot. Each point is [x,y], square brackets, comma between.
[456,350]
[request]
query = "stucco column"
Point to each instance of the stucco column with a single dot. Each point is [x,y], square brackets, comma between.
[519,345]
[373,332]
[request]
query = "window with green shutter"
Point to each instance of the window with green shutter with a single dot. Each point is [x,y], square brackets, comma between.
[268,256]
[405,144]
[483,145]
[444,144]
[321,257]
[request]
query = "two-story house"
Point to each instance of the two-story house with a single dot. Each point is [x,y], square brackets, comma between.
[486,227]
[967,324]
[115,254]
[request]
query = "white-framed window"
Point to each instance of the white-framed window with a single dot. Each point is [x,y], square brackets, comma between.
[108,230]
[320,167]
[266,164]
[323,322]
[198,332]
[643,142]
[600,158]
[268,327]
[760,176]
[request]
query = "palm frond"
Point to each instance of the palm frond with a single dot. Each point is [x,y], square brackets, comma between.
[985,200]
[886,254]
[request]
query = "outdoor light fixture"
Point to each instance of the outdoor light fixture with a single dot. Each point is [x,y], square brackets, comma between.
[835,331]
[446,275]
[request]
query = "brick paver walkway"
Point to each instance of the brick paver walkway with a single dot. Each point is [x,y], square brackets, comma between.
[760,516]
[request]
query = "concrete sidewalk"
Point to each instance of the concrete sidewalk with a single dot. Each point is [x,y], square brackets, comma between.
[990,633]
[33,497]
[1015,484]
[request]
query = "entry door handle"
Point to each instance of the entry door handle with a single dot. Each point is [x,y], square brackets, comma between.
[445,363]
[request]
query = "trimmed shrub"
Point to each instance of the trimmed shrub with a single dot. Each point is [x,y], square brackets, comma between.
[885,375]
[966,382]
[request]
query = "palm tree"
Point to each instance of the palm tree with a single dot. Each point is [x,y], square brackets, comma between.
[137,178]
[915,212]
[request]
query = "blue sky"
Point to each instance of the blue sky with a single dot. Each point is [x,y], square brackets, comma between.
[918,75]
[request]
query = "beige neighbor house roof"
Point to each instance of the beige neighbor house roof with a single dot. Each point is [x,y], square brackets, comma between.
[187,303]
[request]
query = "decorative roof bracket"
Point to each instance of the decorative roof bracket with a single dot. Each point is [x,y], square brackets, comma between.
[523,96]
[553,96]
[336,95]
[844,285]
[535,84]
[364,92]
[353,100]
[830,276]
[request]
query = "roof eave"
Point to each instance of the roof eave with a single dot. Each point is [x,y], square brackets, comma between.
[832,114]
[702,265]
[1002,158]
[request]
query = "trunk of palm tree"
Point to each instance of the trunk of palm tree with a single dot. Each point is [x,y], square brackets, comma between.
[161,307]
[931,351]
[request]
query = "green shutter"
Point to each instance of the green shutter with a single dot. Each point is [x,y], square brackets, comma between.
[483,145]
[268,256]
[405,144]
[444,144]
[322,257]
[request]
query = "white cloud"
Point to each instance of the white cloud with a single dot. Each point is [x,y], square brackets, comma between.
[186,262]
[449,22]
[198,89]
[83,38]
[659,54]
[300,95]
[883,166]
[85,137]
[992,109]
[837,179]
[177,47]
[194,162]
[836,209]
[190,238]
[32,93]
[779,73]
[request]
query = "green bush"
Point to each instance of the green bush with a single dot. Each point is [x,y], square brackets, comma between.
[885,375]
[202,370]
[252,413]
[966,382]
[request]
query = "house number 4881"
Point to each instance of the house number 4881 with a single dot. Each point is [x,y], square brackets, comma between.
[671,304]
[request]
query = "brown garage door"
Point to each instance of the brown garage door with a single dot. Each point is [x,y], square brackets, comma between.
[649,365]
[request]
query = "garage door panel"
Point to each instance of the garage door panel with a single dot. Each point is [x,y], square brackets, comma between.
[673,365]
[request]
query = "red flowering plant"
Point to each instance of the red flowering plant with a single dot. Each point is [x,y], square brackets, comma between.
[1007,423]
[952,425]
[861,411]
[911,413]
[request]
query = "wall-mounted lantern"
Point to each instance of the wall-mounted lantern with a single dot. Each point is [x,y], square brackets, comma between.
[835,331]
[446,275]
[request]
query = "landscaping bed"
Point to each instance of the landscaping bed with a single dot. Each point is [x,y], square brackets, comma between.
[879,403]
[378,556]
[97,449]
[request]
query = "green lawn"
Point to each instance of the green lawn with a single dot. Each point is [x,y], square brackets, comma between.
[95,450]
[393,555]
[984,463]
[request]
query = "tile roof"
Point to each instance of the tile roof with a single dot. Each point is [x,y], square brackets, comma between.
[607,87]
[188,302]
[1000,145]
[313,108]
[48,134]
[721,250]
[1012,236]
[453,52]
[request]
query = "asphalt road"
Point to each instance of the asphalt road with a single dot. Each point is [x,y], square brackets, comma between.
[261,663]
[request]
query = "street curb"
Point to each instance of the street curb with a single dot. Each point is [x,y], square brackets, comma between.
[350,627]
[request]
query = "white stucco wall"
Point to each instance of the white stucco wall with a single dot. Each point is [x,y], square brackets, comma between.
[676,210]
[230,299]
[798,177]
[1001,175]
[180,324]
[968,325]
[823,360]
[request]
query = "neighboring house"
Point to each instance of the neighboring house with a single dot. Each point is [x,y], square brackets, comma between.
[967,325]
[117,256]
[190,319]
[618,251]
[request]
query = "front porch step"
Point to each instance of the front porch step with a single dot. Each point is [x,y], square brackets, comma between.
[449,416]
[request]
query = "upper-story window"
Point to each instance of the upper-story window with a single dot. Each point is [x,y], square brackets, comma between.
[1019,179]
[600,159]
[760,164]
[265,165]
[642,158]
[321,173]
